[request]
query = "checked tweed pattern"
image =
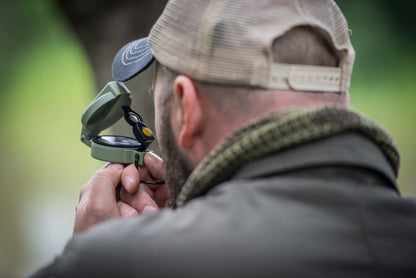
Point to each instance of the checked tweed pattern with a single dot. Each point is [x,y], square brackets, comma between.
[278,132]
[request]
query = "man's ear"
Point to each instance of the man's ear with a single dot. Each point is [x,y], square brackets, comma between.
[188,114]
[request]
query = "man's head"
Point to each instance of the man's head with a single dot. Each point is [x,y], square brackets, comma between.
[222,64]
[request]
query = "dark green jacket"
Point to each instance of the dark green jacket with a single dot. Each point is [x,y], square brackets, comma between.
[319,206]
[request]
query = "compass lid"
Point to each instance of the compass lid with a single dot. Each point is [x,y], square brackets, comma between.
[105,110]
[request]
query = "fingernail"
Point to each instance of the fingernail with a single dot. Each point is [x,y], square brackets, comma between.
[129,181]
[129,214]
[150,158]
[149,210]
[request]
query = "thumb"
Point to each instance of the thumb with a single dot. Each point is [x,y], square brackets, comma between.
[155,166]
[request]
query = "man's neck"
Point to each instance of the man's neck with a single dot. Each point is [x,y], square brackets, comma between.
[222,124]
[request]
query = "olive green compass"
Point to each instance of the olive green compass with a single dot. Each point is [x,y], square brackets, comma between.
[110,105]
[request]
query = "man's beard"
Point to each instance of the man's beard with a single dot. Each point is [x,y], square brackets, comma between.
[177,167]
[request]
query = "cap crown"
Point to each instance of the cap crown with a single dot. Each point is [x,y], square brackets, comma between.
[230,42]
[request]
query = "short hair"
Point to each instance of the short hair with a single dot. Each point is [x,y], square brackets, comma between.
[306,45]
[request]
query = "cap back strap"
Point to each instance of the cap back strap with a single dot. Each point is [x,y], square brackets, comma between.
[305,78]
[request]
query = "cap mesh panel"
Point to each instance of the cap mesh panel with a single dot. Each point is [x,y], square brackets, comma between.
[229,41]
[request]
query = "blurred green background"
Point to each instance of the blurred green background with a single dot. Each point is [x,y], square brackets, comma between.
[47,82]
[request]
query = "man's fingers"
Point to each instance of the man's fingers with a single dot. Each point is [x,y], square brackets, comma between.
[130,179]
[98,198]
[155,166]
[153,169]
[110,172]
[142,200]
[104,181]
[126,210]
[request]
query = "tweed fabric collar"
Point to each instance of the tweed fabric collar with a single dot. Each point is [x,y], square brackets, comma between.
[278,132]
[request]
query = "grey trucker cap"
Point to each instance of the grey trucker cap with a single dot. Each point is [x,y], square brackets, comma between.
[230,42]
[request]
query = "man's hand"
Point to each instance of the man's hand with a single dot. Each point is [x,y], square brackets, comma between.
[115,191]
[145,198]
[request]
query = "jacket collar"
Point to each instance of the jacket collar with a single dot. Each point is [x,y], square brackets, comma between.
[295,129]
[345,149]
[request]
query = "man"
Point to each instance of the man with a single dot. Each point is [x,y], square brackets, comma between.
[267,172]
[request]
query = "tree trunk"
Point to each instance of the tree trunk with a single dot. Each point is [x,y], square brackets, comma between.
[103,27]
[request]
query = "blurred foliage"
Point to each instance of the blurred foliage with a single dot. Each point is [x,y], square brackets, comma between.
[47,83]
[383,82]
